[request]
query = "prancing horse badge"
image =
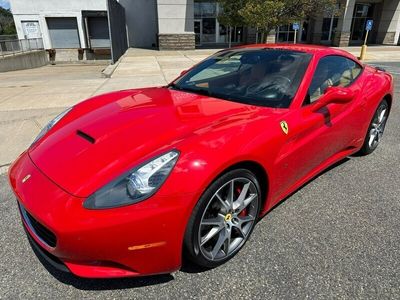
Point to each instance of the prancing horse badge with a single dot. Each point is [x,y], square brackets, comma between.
[285,127]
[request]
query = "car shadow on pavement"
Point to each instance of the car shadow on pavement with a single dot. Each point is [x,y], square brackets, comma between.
[101,284]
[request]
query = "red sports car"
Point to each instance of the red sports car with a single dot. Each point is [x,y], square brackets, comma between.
[127,183]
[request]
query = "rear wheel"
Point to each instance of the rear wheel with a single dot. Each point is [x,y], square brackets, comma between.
[223,219]
[376,129]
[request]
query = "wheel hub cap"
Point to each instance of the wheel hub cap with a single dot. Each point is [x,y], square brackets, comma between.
[228,218]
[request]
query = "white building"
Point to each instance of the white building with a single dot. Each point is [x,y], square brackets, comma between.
[98,27]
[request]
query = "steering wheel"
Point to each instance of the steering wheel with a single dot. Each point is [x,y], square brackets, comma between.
[276,81]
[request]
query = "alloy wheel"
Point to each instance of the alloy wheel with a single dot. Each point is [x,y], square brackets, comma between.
[228,219]
[378,126]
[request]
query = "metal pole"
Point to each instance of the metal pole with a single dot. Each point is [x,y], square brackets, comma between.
[330,28]
[295,37]
[366,38]
[257,35]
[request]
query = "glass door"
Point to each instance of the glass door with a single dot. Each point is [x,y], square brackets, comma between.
[197,32]
[329,26]
[362,12]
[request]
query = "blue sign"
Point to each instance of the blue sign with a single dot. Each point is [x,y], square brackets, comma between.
[368,25]
[296,26]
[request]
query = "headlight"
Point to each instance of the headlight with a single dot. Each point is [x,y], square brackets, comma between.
[136,185]
[50,125]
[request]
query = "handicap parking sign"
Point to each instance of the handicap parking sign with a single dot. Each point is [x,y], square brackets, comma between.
[368,25]
[296,26]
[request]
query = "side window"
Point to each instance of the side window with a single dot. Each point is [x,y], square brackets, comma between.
[332,71]
[353,72]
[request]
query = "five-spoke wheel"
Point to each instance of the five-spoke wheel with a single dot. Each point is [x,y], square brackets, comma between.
[223,218]
[376,128]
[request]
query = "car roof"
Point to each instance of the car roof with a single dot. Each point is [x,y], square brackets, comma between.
[308,48]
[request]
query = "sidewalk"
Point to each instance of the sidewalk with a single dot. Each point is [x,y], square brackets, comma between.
[377,53]
[142,67]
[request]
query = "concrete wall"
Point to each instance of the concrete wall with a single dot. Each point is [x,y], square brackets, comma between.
[175,24]
[38,10]
[23,61]
[343,31]
[389,24]
[175,16]
[141,22]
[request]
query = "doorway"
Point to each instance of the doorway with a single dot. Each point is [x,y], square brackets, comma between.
[362,13]
[197,32]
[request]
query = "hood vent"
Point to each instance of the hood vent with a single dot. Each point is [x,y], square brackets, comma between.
[86,136]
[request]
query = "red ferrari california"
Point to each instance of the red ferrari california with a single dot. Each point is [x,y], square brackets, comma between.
[127,183]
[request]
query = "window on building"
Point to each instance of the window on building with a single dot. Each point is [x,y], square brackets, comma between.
[329,26]
[362,12]
[285,34]
[207,28]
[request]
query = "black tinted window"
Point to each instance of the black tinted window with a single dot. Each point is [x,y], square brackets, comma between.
[333,71]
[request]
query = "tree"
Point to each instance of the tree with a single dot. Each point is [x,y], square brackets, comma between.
[229,14]
[263,15]
[268,14]
[6,22]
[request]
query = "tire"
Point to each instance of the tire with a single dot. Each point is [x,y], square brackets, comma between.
[219,226]
[375,129]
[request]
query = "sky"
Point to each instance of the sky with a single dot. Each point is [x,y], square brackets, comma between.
[5,3]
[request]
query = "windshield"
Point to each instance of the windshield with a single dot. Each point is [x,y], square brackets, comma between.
[263,77]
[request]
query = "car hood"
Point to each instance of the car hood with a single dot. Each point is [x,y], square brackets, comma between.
[109,134]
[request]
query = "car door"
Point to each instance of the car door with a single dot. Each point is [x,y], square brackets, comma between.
[316,135]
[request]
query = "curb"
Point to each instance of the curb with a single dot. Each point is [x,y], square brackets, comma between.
[109,70]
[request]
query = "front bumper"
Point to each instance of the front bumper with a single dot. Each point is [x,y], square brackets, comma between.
[141,239]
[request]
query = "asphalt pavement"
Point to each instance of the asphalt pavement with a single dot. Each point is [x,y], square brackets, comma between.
[336,237]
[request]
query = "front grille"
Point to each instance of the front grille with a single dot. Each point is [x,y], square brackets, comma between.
[45,235]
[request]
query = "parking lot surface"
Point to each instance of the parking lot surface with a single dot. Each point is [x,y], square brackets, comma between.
[336,237]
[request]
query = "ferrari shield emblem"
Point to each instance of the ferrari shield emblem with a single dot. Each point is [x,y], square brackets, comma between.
[285,127]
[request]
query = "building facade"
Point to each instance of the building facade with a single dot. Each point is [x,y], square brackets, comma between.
[93,26]
[346,25]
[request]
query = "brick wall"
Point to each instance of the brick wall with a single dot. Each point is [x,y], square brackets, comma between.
[177,41]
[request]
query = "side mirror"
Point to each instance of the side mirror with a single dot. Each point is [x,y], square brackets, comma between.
[334,94]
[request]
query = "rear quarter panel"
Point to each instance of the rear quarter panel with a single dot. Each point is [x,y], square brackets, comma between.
[376,86]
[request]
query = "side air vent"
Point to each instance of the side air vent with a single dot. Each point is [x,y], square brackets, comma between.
[86,136]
